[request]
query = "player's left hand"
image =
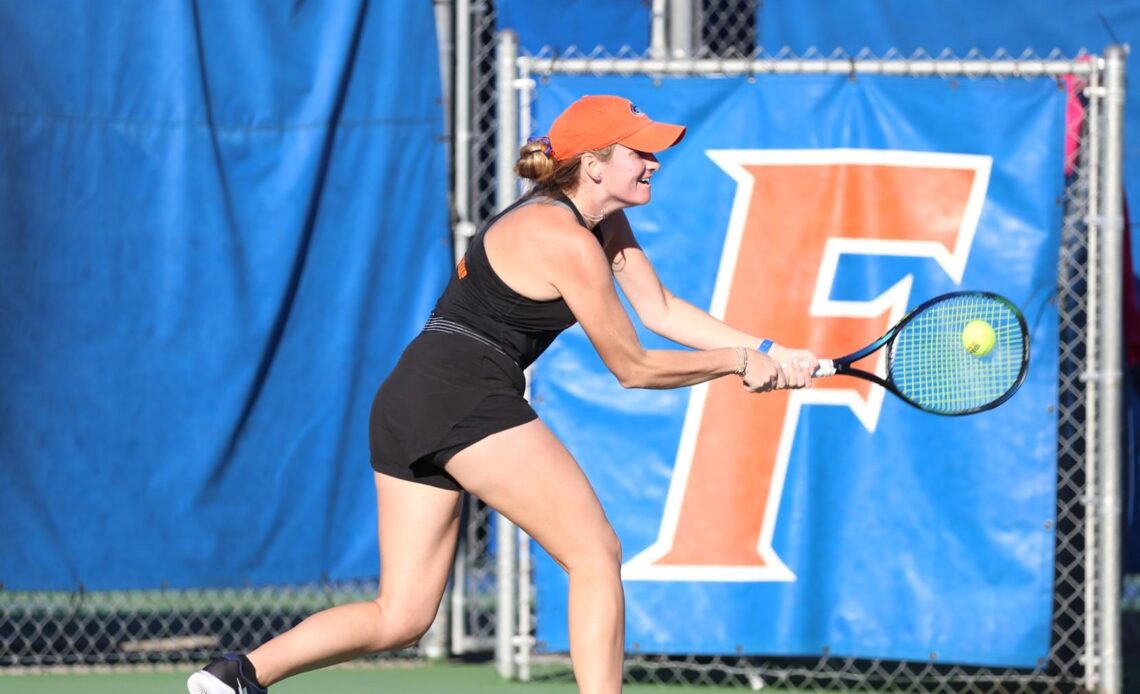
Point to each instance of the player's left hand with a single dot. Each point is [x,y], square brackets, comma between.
[798,365]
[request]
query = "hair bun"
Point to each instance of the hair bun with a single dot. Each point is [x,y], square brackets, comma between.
[536,160]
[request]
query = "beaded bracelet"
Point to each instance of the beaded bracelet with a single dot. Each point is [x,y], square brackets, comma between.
[765,345]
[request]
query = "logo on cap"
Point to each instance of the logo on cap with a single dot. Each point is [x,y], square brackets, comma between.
[635,110]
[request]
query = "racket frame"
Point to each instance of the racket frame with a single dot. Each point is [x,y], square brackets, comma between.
[842,365]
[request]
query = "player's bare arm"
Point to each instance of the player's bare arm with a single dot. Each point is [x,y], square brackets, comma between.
[676,319]
[579,269]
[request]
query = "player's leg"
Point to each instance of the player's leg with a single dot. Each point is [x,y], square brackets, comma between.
[528,475]
[418,526]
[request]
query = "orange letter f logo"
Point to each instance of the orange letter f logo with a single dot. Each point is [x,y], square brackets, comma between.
[795,214]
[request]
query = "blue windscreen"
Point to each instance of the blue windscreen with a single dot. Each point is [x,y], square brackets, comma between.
[219,225]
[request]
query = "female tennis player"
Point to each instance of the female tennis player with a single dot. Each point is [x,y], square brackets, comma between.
[451,416]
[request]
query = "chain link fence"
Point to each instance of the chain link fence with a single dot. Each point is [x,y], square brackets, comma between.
[1078,631]
[155,629]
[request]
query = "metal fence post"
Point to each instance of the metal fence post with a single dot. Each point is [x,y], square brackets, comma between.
[507,147]
[461,129]
[680,23]
[658,42]
[524,642]
[1092,388]
[1111,367]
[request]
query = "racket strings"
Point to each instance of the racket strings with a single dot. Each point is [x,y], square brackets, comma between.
[931,367]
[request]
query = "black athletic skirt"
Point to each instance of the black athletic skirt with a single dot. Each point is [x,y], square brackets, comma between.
[448,391]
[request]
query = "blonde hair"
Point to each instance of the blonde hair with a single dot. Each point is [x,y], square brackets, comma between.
[537,164]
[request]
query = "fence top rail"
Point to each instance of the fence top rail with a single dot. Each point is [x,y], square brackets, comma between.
[1027,68]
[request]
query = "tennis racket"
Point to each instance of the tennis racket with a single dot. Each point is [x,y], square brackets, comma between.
[943,358]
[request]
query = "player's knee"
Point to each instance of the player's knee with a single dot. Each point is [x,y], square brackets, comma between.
[403,622]
[412,626]
[613,550]
[602,555]
[417,626]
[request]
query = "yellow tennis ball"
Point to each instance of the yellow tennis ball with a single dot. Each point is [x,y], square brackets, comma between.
[978,338]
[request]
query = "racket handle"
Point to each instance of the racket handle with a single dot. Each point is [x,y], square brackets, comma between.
[826,368]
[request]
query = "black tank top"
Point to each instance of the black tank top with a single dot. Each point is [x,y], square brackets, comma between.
[478,300]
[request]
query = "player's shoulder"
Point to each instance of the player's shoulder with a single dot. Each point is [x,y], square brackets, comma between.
[555,224]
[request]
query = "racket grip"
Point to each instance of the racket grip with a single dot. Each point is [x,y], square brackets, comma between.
[826,368]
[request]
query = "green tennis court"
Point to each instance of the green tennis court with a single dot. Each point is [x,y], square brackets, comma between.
[414,679]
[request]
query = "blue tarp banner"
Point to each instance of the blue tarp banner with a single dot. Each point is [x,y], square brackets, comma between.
[219,225]
[580,24]
[816,210]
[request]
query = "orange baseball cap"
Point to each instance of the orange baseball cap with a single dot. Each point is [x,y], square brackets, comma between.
[594,122]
